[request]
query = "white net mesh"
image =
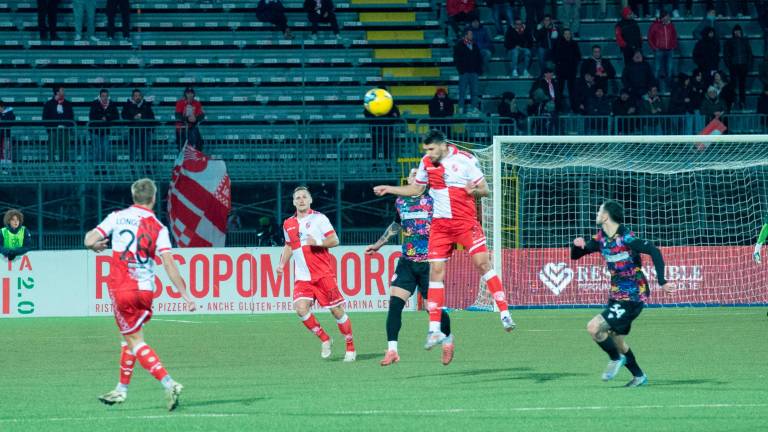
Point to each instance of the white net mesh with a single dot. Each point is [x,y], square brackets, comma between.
[701,199]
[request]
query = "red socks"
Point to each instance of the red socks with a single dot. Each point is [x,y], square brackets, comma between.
[127,360]
[497,291]
[150,361]
[311,323]
[345,327]
[435,301]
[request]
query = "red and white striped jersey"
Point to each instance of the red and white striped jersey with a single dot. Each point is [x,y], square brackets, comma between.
[137,238]
[446,181]
[311,262]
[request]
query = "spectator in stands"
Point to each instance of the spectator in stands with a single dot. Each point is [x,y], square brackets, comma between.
[724,89]
[572,16]
[125,17]
[321,11]
[17,239]
[101,116]
[502,8]
[469,64]
[189,114]
[635,5]
[638,77]
[628,35]
[762,102]
[546,34]
[625,106]
[484,42]
[461,11]
[268,234]
[6,115]
[662,38]
[509,111]
[47,15]
[534,12]
[138,111]
[273,12]
[543,108]
[59,117]
[699,85]
[681,104]
[87,7]
[709,21]
[706,52]
[712,106]
[567,56]
[598,110]
[441,105]
[583,90]
[519,42]
[600,68]
[548,84]
[738,57]
[651,106]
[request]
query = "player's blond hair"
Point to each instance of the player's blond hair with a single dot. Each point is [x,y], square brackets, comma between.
[143,191]
[302,188]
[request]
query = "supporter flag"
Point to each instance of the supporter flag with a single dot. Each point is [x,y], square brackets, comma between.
[715,127]
[199,200]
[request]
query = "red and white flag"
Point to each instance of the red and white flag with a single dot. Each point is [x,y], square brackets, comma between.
[715,127]
[199,200]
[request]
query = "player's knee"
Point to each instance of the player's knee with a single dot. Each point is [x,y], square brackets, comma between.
[484,266]
[302,310]
[593,327]
[337,312]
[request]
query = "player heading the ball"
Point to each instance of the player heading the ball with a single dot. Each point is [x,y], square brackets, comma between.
[138,237]
[308,236]
[629,287]
[455,181]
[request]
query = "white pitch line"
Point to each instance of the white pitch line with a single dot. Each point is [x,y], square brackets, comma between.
[92,418]
[545,409]
[177,321]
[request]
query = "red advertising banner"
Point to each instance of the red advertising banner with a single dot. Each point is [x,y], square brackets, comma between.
[544,277]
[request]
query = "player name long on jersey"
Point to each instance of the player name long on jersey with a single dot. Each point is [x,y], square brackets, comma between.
[137,238]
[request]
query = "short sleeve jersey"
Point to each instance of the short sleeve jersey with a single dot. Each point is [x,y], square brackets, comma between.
[414,214]
[138,237]
[447,180]
[311,263]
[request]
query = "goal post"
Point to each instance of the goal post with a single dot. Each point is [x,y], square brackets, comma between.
[700,198]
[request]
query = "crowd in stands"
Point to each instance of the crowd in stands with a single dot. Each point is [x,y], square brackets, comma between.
[568,83]
[84,14]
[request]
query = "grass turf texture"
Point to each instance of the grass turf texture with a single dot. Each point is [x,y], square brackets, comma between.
[707,370]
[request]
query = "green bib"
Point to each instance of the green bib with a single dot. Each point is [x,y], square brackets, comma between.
[11,240]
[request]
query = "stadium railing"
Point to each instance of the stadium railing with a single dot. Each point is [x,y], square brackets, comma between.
[686,124]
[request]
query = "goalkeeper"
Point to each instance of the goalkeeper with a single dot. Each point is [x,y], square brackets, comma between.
[760,241]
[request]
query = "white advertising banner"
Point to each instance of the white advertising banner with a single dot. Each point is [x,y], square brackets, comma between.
[221,280]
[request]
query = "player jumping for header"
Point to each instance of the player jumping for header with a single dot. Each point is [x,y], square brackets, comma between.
[455,181]
[413,218]
[138,238]
[308,236]
[629,287]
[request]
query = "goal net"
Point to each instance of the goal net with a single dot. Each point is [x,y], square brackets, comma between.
[701,199]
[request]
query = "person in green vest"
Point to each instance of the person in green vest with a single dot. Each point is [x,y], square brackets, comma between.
[761,240]
[17,239]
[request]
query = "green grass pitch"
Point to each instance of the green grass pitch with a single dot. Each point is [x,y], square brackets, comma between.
[708,371]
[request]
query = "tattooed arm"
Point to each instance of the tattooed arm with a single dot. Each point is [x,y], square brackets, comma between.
[392,230]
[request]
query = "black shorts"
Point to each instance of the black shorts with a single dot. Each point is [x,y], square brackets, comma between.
[620,314]
[410,275]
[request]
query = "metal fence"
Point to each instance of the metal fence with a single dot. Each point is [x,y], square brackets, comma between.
[687,124]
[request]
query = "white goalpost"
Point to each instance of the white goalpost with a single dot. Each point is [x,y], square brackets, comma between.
[701,199]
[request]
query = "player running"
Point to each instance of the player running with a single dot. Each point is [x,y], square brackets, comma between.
[761,241]
[308,236]
[413,217]
[138,238]
[455,181]
[629,287]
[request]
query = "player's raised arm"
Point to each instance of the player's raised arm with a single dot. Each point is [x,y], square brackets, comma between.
[582,247]
[648,248]
[407,190]
[98,238]
[173,273]
[760,242]
[392,230]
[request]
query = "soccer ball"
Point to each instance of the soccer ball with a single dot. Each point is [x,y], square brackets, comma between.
[378,102]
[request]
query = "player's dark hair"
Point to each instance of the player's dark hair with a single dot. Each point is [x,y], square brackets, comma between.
[614,210]
[435,136]
[10,214]
[302,188]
